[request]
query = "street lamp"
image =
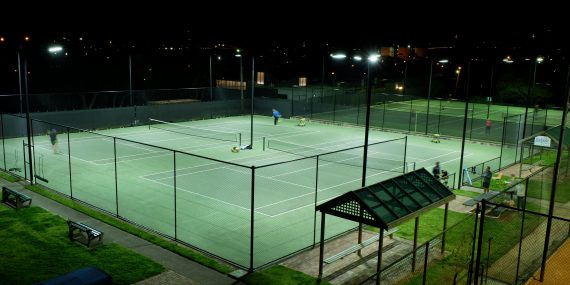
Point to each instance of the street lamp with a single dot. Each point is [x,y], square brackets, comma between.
[373,58]
[211,82]
[240,78]
[458,72]
[531,82]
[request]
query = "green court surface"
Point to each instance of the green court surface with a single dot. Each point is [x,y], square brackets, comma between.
[198,191]
[457,108]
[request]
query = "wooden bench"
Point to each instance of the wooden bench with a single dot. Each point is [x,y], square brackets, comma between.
[359,246]
[86,233]
[487,196]
[15,199]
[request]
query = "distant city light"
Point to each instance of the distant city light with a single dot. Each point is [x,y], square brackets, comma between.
[373,57]
[55,49]
[443,61]
[2,39]
[357,57]
[338,55]
[508,59]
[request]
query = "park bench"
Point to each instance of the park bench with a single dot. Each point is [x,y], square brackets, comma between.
[359,246]
[489,195]
[85,233]
[14,198]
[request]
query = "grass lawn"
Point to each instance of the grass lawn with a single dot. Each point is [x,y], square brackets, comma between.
[541,189]
[431,224]
[469,194]
[167,244]
[280,275]
[505,235]
[35,247]
[276,275]
[8,177]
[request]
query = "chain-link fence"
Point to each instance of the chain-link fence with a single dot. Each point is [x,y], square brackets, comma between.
[248,216]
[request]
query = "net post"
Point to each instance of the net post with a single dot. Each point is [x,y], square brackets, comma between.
[263,143]
[239,139]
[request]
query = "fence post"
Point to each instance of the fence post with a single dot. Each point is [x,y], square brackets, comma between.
[470,271]
[116,180]
[69,163]
[424,278]
[480,240]
[414,249]
[2,134]
[316,196]
[444,227]
[252,218]
[174,182]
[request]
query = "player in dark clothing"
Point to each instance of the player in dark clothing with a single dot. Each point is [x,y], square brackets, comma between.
[436,170]
[53,138]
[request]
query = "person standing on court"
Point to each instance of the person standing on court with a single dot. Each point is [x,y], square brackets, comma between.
[488,126]
[487,175]
[276,116]
[53,138]
[436,170]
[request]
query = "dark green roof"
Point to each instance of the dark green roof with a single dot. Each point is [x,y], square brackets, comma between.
[554,133]
[390,202]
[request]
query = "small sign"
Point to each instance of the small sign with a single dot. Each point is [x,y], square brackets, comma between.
[489,99]
[542,141]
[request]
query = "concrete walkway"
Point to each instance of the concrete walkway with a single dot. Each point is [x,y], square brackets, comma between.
[180,269]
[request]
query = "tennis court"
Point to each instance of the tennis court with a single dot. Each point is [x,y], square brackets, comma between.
[186,183]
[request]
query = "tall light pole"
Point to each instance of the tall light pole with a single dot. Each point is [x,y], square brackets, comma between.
[458,72]
[20,84]
[28,122]
[130,83]
[429,93]
[461,174]
[211,96]
[373,58]
[531,82]
[252,101]
[490,90]
[240,78]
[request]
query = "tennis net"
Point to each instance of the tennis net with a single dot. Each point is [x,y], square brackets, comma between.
[349,156]
[194,131]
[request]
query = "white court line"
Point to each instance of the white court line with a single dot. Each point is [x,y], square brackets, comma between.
[324,164]
[204,196]
[66,155]
[262,156]
[193,147]
[312,204]
[325,189]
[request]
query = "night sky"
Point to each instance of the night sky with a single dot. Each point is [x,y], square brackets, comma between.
[295,36]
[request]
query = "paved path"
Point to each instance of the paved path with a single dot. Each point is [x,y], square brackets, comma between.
[180,270]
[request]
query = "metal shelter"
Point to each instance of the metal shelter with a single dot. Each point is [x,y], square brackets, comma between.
[387,204]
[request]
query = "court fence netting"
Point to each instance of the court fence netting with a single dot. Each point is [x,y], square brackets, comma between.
[248,216]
